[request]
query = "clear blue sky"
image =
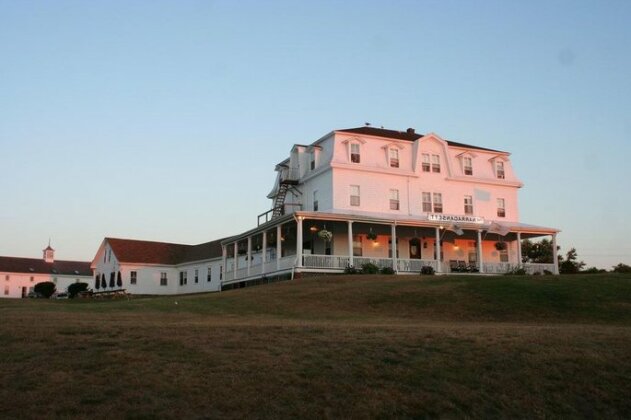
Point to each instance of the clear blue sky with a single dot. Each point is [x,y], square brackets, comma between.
[163,120]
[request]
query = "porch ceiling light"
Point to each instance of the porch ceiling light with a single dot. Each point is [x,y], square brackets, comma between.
[313,229]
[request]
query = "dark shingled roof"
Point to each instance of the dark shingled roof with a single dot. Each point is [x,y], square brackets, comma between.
[149,252]
[39,266]
[404,135]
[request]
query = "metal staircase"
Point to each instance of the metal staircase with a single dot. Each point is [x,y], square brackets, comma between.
[279,201]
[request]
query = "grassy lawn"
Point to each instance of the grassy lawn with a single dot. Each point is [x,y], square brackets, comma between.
[347,346]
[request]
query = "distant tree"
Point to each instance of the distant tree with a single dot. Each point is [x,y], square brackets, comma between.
[537,252]
[46,288]
[97,282]
[75,288]
[622,268]
[119,280]
[594,270]
[570,264]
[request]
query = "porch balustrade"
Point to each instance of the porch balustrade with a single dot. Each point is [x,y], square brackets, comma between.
[532,268]
[326,261]
[415,265]
[379,262]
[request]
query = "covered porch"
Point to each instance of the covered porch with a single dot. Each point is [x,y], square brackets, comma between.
[330,243]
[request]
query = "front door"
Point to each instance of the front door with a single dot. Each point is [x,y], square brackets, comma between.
[415,249]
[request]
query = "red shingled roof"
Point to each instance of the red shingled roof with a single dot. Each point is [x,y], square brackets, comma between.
[39,266]
[405,135]
[149,252]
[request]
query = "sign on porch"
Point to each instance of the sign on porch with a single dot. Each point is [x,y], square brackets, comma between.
[451,218]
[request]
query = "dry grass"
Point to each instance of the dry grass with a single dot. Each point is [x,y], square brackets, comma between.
[346,347]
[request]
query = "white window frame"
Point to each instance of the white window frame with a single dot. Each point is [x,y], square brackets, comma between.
[358,154]
[164,279]
[209,274]
[355,199]
[426,205]
[358,248]
[393,157]
[395,203]
[501,207]
[437,199]
[315,200]
[133,277]
[426,163]
[197,275]
[435,163]
[467,165]
[500,169]
[468,204]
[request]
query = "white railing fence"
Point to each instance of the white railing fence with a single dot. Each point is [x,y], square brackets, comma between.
[326,261]
[379,262]
[413,266]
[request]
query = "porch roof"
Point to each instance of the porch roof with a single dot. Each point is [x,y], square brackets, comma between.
[399,219]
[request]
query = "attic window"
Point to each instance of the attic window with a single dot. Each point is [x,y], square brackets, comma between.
[355,155]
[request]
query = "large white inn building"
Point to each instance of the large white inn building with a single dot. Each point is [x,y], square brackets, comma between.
[397,199]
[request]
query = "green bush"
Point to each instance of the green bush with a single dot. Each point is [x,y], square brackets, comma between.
[427,270]
[387,270]
[622,268]
[46,288]
[75,288]
[350,270]
[517,271]
[370,268]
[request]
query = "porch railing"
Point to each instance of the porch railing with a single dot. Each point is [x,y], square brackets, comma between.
[414,265]
[326,261]
[379,262]
[532,268]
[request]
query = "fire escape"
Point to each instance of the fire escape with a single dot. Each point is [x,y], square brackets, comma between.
[289,179]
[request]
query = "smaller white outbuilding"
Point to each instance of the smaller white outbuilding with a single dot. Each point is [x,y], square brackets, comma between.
[20,275]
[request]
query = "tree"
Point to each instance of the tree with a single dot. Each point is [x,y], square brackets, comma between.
[46,288]
[537,252]
[75,288]
[622,268]
[97,282]
[570,264]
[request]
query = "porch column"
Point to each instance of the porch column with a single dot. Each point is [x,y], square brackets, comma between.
[351,261]
[299,241]
[264,260]
[393,234]
[235,259]
[480,253]
[519,262]
[437,246]
[555,257]
[279,246]
[224,259]
[249,261]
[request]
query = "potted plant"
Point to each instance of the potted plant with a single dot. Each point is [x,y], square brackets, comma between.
[325,234]
[372,235]
[500,245]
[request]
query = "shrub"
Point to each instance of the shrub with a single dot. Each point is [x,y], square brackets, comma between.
[350,270]
[427,270]
[75,288]
[387,270]
[369,268]
[517,271]
[46,288]
[548,272]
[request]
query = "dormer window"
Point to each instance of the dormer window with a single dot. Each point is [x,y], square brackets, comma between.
[426,164]
[467,164]
[435,163]
[312,165]
[355,155]
[394,158]
[499,169]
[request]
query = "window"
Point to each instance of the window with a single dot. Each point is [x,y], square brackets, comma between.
[438,203]
[209,274]
[435,163]
[183,278]
[196,275]
[394,199]
[312,164]
[357,246]
[354,195]
[425,165]
[427,202]
[468,166]
[315,200]
[355,156]
[132,277]
[394,158]
[501,209]
[468,204]
[504,255]
[499,169]
[221,272]
[6,277]
[163,279]
[32,279]
[6,289]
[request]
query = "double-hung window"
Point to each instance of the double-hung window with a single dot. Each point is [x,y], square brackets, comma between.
[468,204]
[394,157]
[425,164]
[357,246]
[501,208]
[355,195]
[438,203]
[133,277]
[499,169]
[355,155]
[435,163]
[312,164]
[209,274]
[315,200]
[196,275]
[183,278]
[427,202]
[467,163]
[163,279]
[394,199]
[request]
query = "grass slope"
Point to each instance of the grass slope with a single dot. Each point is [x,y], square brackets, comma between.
[351,346]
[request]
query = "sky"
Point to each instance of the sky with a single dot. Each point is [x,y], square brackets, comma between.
[163,120]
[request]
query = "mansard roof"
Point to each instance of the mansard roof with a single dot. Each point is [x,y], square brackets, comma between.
[163,253]
[409,135]
[39,266]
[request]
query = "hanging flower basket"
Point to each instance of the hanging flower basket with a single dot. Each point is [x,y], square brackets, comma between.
[500,246]
[372,235]
[325,234]
[415,241]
